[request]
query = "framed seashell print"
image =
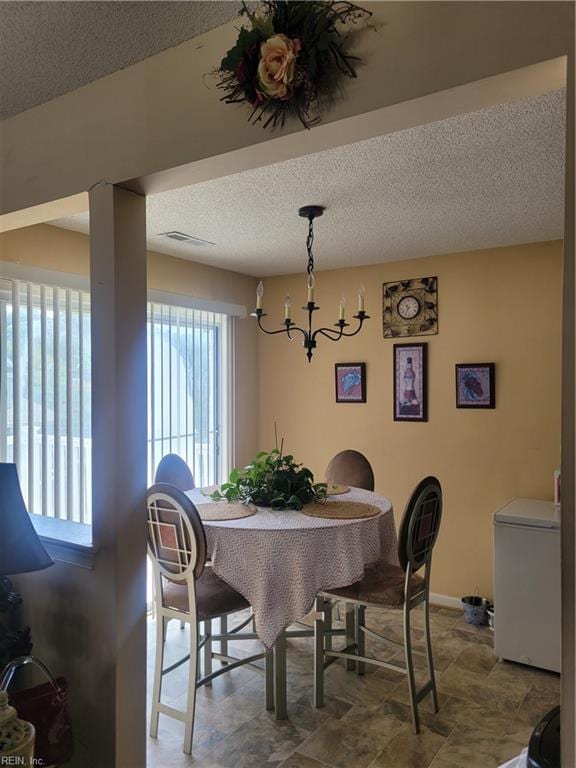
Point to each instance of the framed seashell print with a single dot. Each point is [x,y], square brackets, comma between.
[410,307]
[475,385]
[350,382]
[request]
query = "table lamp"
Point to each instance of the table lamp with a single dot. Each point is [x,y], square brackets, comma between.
[21,551]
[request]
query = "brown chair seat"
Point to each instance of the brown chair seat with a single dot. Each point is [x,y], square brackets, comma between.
[382,585]
[214,597]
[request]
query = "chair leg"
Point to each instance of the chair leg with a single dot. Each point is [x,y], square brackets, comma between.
[269,678]
[191,698]
[319,640]
[327,609]
[208,649]
[350,634]
[360,638]
[280,703]
[410,668]
[158,667]
[224,631]
[429,658]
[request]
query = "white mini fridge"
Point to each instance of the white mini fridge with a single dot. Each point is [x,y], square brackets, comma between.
[527,583]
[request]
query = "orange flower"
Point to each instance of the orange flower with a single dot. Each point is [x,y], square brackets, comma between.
[277,65]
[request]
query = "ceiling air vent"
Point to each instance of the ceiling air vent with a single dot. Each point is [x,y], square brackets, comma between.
[182,237]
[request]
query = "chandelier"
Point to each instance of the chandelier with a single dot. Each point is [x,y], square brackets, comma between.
[290,328]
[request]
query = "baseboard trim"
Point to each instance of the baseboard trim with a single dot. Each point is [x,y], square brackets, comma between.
[445,601]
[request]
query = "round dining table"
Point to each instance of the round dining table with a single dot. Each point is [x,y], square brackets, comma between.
[280,560]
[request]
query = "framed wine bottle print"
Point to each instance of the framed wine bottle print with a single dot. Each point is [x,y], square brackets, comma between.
[410,382]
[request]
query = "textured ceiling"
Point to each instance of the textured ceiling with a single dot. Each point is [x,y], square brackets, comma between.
[485,179]
[50,48]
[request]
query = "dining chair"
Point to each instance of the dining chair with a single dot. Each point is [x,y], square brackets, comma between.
[186,588]
[351,468]
[390,586]
[173,469]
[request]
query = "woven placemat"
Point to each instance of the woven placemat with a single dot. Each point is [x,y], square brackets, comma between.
[335,489]
[341,510]
[225,510]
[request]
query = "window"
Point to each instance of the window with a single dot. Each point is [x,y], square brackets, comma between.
[45,393]
[187,389]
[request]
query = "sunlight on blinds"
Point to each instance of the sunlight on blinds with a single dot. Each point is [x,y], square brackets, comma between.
[45,382]
[45,393]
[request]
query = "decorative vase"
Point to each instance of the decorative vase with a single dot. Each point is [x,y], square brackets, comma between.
[16,736]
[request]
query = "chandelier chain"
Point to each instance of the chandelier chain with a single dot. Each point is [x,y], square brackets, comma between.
[309,244]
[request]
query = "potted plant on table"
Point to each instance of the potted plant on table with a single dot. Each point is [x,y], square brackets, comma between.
[272,480]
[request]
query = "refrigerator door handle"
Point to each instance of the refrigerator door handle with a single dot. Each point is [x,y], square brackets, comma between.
[527,526]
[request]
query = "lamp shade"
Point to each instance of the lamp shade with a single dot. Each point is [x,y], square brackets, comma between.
[21,550]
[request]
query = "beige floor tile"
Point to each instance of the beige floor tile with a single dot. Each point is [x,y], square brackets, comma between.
[472,686]
[407,750]
[536,704]
[366,690]
[487,718]
[262,741]
[301,761]
[353,741]
[468,748]
[477,658]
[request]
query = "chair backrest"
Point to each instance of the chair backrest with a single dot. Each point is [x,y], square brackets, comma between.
[420,524]
[173,470]
[176,537]
[351,468]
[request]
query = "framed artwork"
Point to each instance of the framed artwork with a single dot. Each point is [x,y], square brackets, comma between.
[410,307]
[350,382]
[410,382]
[475,385]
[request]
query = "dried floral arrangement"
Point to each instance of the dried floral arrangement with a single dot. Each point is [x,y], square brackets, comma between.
[290,59]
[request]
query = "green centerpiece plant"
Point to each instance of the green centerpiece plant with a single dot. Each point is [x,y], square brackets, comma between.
[272,480]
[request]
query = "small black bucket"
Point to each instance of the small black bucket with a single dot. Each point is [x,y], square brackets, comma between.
[475,610]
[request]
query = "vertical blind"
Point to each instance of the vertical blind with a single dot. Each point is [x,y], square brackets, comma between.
[45,393]
[45,382]
[188,388]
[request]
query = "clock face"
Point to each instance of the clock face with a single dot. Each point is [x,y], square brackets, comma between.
[408,307]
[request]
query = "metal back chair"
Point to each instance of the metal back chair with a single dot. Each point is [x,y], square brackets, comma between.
[389,586]
[186,589]
[351,468]
[173,470]
[420,525]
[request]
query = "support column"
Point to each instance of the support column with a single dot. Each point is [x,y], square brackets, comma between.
[568,521]
[119,425]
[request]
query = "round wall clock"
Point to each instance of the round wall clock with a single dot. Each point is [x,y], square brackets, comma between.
[408,307]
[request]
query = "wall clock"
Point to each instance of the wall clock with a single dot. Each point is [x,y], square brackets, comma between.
[410,307]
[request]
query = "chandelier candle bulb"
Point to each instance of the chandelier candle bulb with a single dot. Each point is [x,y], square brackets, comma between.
[361,295]
[311,282]
[342,307]
[287,305]
[259,294]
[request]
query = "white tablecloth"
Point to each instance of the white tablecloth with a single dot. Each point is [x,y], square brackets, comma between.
[280,561]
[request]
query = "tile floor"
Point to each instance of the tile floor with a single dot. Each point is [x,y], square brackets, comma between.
[487,709]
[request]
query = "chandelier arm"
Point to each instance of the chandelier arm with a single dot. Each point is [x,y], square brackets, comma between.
[326,332]
[287,330]
[296,328]
[353,333]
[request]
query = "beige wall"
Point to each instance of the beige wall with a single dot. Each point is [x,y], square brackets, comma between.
[60,249]
[501,305]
